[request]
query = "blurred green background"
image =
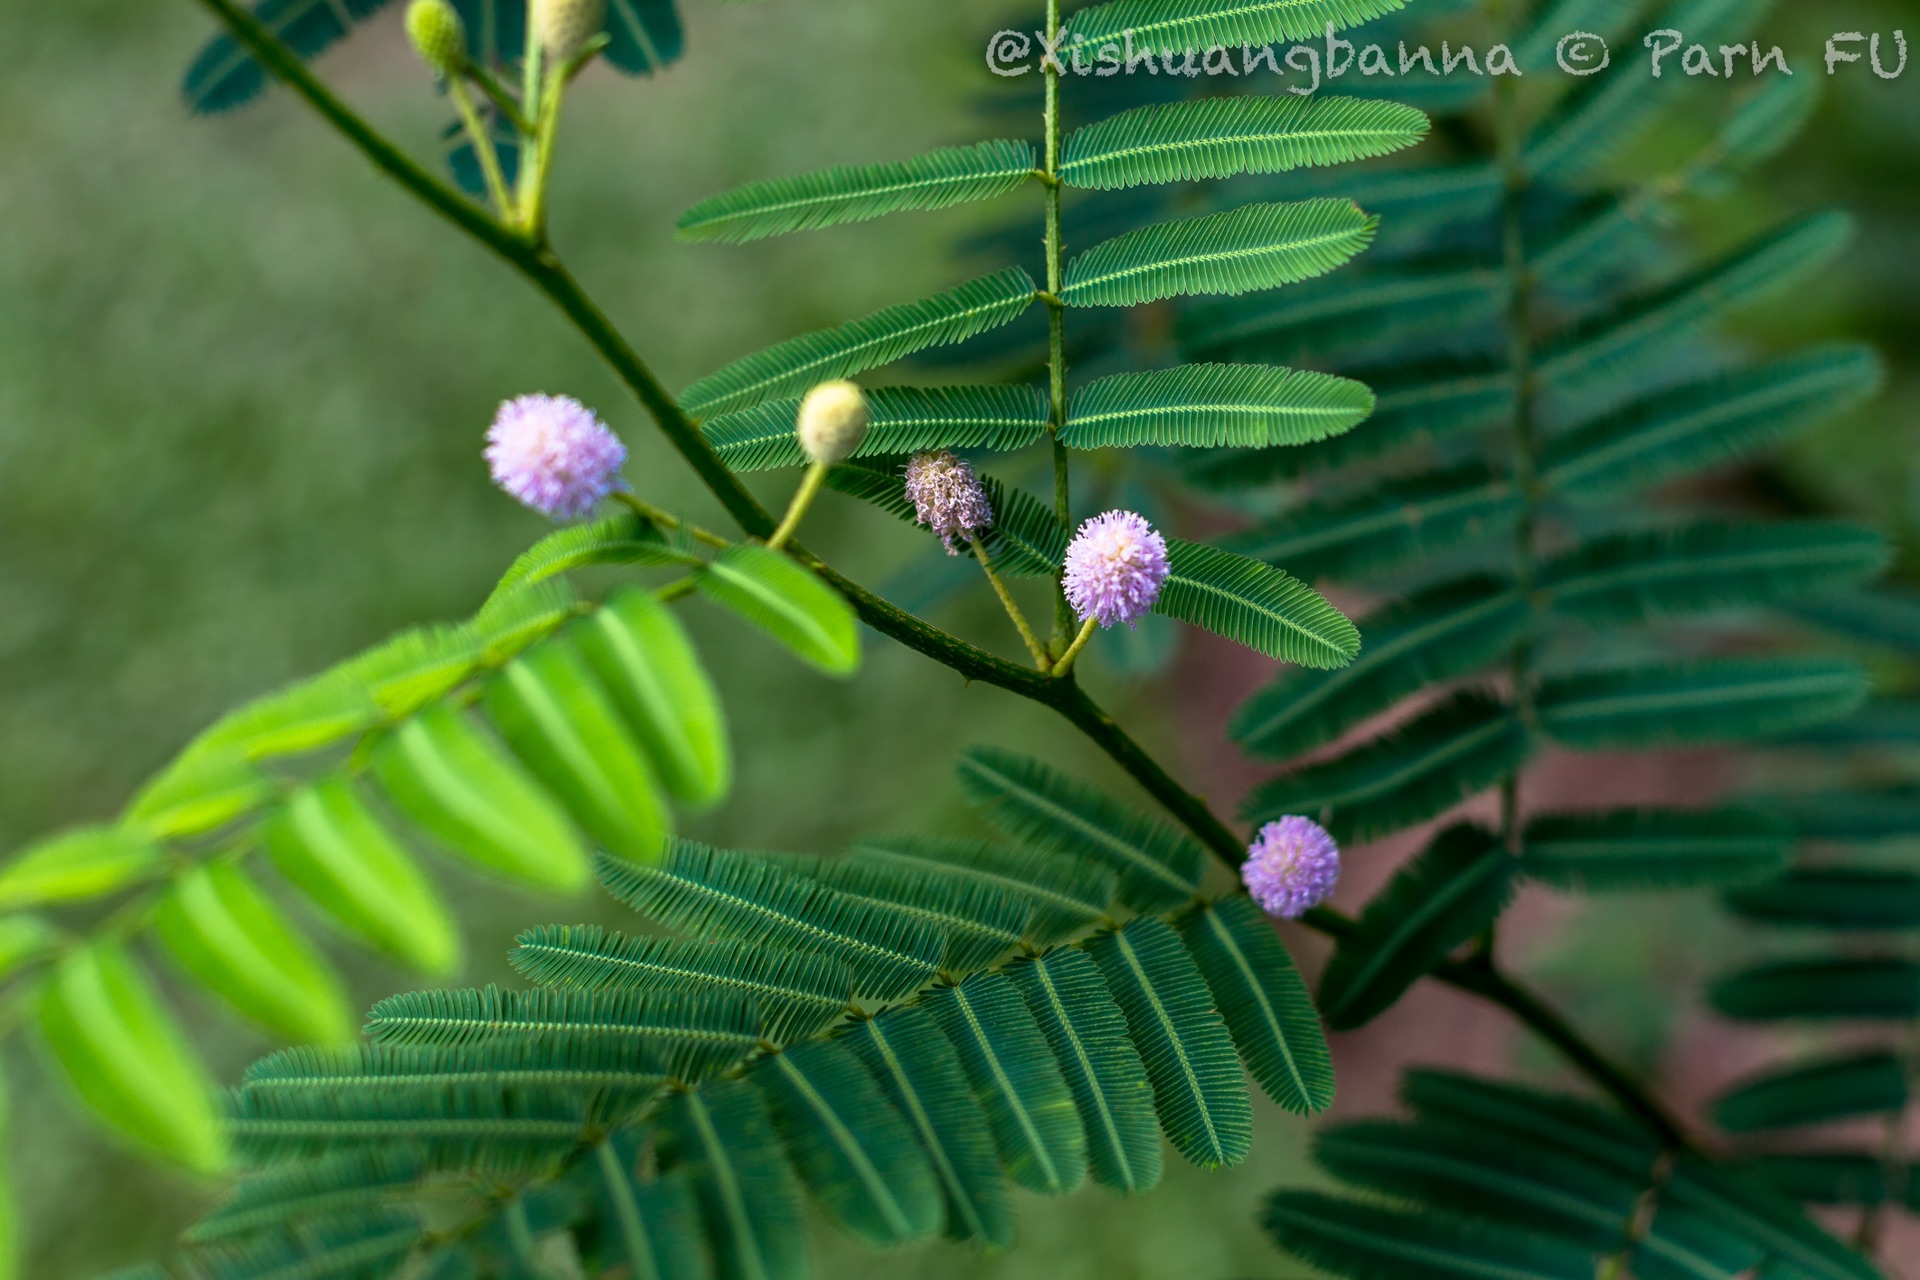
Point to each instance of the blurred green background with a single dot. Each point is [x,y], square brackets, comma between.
[243,383]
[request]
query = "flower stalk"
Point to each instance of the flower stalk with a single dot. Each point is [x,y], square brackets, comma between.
[1041,658]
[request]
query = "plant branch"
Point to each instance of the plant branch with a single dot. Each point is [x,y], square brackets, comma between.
[537,262]
[1056,331]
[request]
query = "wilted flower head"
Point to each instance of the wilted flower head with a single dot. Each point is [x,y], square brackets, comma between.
[832,422]
[1292,867]
[554,455]
[948,497]
[1116,566]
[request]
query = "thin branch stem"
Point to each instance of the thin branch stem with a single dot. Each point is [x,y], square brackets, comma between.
[537,263]
[667,520]
[503,101]
[482,149]
[797,509]
[1034,647]
[1056,329]
[1065,664]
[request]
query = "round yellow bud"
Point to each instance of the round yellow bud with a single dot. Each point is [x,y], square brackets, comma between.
[435,28]
[563,27]
[833,421]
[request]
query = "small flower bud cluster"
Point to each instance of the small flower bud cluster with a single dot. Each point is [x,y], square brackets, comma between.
[553,455]
[1115,568]
[833,421]
[1292,867]
[948,497]
[437,33]
[563,27]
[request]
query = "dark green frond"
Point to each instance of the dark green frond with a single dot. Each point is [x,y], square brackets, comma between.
[693,1033]
[1157,865]
[1416,772]
[1259,606]
[718,893]
[1030,1111]
[361,1245]
[920,1073]
[1866,1084]
[1854,815]
[1642,326]
[796,993]
[1596,1134]
[1386,527]
[879,339]
[1373,1242]
[1199,1090]
[1064,894]
[1674,433]
[1637,849]
[724,1137]
[1204,405]
[1443,898]
[850,1146]
[651,1224]
[1265,1003]
[1832,1177]
[1712,700]
[1370,309]
[982,922]
[1711,566]
[1257,246]
[904,420]
[1889,618]
[1883,989]
[855,193]
[1088,1035]
[1196,24]
[283,1195]
[1433,637]
[1221,137]
[1862,898]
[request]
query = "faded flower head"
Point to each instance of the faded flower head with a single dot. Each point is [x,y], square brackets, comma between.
[948,497]
[832,422]
[554,455]
[563,27]
[435,28]
[1116,566]
[1291,867]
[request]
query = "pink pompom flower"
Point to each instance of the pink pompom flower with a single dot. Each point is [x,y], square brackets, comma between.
[1115,568]
[1291,867]
[552,454]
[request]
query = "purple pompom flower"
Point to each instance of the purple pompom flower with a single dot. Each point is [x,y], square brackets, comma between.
[1292,867]
[552,454]
[1115,568]
[948,497]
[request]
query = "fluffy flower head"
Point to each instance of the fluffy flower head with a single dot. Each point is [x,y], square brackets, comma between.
[833,421]
[1116,566]
[948,497]
[1292,867]
[552,454]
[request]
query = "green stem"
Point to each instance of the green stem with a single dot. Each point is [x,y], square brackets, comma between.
[504,102]
[797,509]
[1065,664]
[544,271]
[483,150]
[1056,329]
[1034,647]
[535,176]
[667,520]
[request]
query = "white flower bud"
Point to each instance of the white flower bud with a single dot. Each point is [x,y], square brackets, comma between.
[563,27]
[437,33]
[833,421]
